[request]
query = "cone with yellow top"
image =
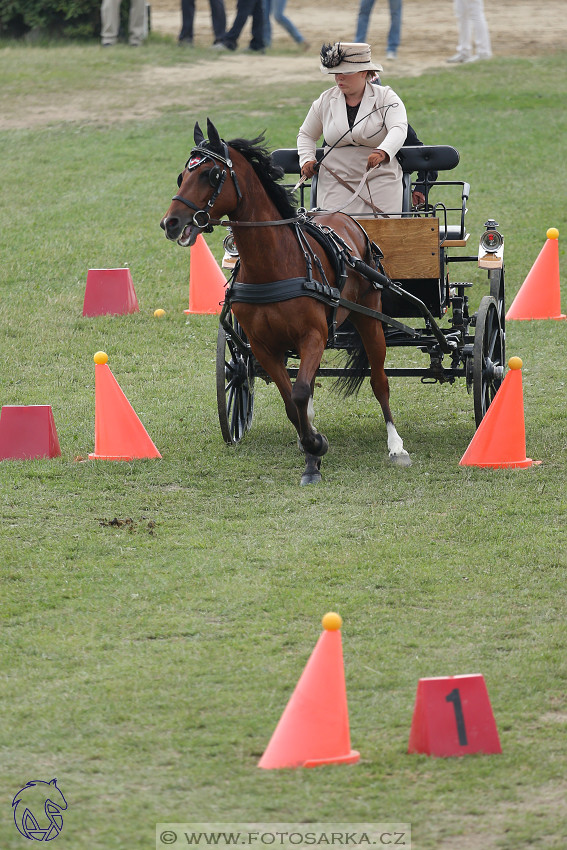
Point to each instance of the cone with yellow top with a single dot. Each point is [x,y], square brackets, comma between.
[314,729]
[119,434]
[539,296]
[500,439]
[207,283]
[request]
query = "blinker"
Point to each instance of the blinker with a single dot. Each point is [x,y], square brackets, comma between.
[214,176]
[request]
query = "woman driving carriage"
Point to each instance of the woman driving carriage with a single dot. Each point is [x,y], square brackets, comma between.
[363,126]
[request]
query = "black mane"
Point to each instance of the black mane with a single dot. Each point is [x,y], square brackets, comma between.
[259,158]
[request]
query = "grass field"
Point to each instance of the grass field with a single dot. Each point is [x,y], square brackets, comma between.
[146,662]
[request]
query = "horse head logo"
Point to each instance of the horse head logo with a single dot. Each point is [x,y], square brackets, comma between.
[37,810]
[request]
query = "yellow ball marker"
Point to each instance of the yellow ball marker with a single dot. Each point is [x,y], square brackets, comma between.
[100,358]
[552,233]
[515,363]
[159,313]
[332,621]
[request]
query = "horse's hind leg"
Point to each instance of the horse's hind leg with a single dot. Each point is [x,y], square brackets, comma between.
[372,336]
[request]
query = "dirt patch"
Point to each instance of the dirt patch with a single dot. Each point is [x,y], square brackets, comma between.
[429,36]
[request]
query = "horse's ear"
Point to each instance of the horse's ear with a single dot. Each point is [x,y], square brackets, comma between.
[213,135]
[198,134]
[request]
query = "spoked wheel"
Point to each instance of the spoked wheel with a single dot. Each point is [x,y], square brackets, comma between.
[488,356]
[235,385]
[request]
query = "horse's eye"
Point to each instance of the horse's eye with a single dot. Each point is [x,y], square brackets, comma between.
[180,180]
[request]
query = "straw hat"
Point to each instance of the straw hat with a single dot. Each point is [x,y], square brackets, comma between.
[347,58]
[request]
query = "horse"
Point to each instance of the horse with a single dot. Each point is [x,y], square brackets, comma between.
[279,254]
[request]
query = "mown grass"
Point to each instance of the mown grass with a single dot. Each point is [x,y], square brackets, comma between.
[147,661]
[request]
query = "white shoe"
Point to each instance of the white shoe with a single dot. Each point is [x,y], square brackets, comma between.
[471,59]
[390,55]
[458,57]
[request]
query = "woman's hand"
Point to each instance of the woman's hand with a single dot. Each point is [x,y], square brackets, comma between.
[375,158]
[309,169]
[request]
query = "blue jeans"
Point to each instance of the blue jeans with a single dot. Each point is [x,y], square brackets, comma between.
[278,7]
[364,11]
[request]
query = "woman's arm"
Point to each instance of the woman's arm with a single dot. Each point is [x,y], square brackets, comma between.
[309,134]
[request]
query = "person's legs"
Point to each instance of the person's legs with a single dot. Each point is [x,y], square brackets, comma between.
[187,17]
[218,17]
[464,47]
[289,26]
[267,23]
[243,11]
[364,11]
[480,29]
[257,40]
[110,21]
[136,22]
[395,26]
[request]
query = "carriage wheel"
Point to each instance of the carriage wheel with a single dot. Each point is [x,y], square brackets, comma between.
[488,356]
[235,386]
[496,280]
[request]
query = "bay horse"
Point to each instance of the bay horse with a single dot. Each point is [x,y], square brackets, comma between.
[284,261]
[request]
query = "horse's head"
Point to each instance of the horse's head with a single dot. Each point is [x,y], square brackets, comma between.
[208,186]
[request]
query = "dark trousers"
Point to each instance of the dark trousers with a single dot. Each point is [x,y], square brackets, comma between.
[245,9]
[218,16]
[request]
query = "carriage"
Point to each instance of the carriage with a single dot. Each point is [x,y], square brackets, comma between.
[410,266]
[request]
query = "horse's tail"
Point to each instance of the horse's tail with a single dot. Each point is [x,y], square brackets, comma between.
[356,369]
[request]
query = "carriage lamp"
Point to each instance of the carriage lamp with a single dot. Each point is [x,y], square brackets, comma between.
[491,248]
[230,251]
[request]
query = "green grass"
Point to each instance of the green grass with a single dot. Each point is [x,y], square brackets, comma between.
[145,664]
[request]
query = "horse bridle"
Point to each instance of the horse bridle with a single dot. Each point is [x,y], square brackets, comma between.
[217,176]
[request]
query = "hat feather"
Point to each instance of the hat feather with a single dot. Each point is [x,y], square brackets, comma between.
[332,55]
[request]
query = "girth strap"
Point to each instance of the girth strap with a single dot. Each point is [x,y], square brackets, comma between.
[282,290]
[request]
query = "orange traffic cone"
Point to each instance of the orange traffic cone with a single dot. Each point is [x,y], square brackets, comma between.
[109,291]
[207,283]
[313,729]
[539,295]
[500,439]
[119,434]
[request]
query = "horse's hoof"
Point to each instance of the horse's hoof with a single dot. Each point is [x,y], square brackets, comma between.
[402,459]
[310,478]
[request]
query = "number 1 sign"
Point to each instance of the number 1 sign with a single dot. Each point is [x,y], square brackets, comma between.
[453,717]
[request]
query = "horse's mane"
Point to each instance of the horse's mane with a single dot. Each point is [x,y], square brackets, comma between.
[257,154]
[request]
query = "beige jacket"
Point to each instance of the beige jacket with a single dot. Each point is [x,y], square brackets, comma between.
[383,125]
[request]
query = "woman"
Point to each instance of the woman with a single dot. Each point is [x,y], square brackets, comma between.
[363,126]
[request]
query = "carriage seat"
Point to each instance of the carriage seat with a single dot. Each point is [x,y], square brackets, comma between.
[425,159]
[416,158]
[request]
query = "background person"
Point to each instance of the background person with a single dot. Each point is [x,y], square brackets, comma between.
[472,24]
[110,22]
[363,125]
[278,7]
[394,33]
[244,10]
[218,18]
